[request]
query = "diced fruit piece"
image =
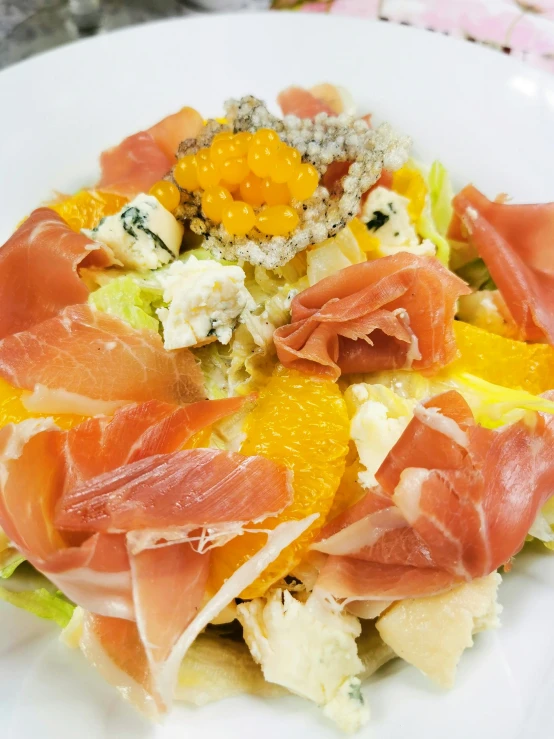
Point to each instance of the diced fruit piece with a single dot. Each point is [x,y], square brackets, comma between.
[260,159]
[235,170]
[286,162]
[238,218]
[186,173]
[277,220]
[208,174]
[267,137]
[214,199]
[303,182]
[242,143]
[251,190]
[222,150]
[303,423]
[167,194]
[275,193]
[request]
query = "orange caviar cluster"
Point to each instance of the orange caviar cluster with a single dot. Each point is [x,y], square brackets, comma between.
[248,181]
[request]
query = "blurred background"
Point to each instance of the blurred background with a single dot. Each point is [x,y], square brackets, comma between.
[522,28]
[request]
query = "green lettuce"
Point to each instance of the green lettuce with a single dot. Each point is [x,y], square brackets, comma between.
[42,603]
[437,212]
[10,558]
[125,298]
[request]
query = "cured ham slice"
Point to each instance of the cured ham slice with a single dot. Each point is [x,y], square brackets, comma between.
[137,431]
[468,496]
[170,131]
[375,530]
[91,571]
[390,313]
[305,104]
[145,157]
[145,604]
[356,579]
[191,488]
[99,356]
[39,270]
[515,242]
[115,647]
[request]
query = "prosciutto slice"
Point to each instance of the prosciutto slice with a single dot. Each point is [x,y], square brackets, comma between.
[143,601]
[39,270]
[307,103]
[468,496]
[99,356]
[145,157]
[391,313]
[516,244]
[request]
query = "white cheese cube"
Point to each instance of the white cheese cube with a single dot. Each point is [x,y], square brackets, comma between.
[143,235]
[379,417]
[386,215]
[310,649]
[205,300]
[432,633]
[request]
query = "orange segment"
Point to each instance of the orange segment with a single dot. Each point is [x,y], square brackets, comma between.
[303,423]
[503,361]
[87,207]
[410,183]
[12,409]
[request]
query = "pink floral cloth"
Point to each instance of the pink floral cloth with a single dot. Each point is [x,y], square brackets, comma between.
[521,28]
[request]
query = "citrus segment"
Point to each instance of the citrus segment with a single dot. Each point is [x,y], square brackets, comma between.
[503,361]
[410,183]
[302,423]
[12,409]
[86,208]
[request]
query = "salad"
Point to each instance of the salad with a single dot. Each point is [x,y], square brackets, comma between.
[276,407]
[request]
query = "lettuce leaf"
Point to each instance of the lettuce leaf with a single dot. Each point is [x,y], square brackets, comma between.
[437,212]
[543,526]
[492,405]
[125,298]
[10,558]
[42,603]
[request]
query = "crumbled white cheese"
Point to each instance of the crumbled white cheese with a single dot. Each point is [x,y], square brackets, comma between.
[386,214]
[348,709]
[378,418]
[308,648]
[432,633]
[205,299]
[143,235]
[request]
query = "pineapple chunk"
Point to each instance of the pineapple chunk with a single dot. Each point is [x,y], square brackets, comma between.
[432,633]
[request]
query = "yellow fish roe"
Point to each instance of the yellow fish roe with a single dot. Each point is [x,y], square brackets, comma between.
[12,409]
[86,208]
[259,167]
[503,361]
[301,422]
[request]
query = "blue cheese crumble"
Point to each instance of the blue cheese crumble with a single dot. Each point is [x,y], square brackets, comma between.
[143,235]
[385,214]
[205,300]
[309,648]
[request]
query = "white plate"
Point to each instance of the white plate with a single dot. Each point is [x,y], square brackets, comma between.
[488,118]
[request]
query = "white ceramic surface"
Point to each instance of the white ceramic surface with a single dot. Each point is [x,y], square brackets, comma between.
[488,118]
